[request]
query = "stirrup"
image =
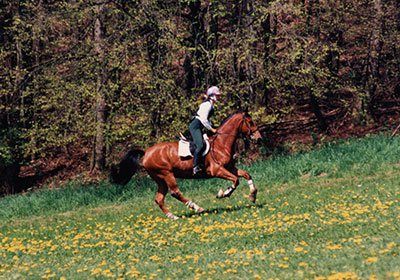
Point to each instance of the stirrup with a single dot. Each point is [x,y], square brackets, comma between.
[197,169]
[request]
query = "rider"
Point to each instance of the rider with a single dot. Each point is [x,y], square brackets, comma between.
[202,120]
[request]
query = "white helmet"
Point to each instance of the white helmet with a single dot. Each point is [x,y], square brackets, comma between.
[212,92]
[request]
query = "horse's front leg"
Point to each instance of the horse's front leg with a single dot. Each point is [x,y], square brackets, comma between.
[252,186]
[230,190]
[223,173]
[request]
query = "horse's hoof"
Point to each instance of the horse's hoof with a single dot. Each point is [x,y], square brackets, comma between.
[172,216]
[253,197]
[220,194]
[200,210]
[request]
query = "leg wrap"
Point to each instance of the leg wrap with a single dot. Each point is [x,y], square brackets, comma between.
[192,205]
[229,191]
[252,186]
[172,216]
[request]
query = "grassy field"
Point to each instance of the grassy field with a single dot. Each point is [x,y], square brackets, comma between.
[332,213]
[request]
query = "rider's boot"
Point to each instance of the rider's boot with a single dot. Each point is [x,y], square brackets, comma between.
[197,169]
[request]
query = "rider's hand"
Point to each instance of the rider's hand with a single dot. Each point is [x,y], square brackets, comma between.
[213,130]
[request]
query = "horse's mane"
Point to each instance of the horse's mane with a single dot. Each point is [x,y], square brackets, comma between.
[230,116]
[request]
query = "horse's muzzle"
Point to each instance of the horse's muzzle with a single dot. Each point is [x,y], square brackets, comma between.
[256,135]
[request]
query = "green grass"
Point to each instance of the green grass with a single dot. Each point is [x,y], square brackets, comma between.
[332,212]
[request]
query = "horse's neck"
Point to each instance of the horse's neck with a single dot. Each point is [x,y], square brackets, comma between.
[229,133]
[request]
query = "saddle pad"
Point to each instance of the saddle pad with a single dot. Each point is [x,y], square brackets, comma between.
[184,147]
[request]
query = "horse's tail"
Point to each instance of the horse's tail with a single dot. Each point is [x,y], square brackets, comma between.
[122,173]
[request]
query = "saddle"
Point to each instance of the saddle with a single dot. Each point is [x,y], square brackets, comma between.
[186,147]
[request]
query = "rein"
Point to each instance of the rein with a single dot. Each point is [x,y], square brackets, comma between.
[227,134]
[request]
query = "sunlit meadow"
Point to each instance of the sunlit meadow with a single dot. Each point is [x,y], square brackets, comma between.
[332,213]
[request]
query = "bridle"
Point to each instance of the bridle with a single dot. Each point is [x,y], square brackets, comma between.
[250,131]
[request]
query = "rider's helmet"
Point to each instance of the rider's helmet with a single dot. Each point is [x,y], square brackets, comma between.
[213,92]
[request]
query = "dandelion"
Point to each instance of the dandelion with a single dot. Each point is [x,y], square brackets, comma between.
[303,243]
[133,272]
[283,265]
[395,275]
[231,251]
[371,260]
[303,264]
[155,258]
[333,246]
[177,259]
[96,271]
[299,249]
[343,275]
[107,273]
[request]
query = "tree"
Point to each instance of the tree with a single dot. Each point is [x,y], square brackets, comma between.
[99,159]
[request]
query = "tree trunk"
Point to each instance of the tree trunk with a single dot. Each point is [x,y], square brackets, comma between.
[252,37]
[18,69]
[213,41]
[36,36]
[374,78]
[269,27]
[315,31]
[376,40]
[9,178]
[99,160]
[197,41]
[316,110]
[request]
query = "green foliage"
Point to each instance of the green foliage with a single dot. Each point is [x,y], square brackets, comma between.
[271,57]
[5,155]
[10,146]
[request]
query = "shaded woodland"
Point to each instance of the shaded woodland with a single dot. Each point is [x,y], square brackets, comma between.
[80,81]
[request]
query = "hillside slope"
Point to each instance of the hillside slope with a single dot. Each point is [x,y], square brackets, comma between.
[333,212]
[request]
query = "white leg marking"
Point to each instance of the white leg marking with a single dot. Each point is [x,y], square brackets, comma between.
[252,186]
[172,216]
[227,193]
[193,206]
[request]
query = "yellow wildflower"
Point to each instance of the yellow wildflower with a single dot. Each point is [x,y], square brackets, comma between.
[155,258]
[371,260]
[231,251]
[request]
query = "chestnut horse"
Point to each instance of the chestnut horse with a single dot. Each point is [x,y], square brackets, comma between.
[164,165]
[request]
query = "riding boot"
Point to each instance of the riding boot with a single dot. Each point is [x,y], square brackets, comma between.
[196,165]
[196,132]
[196,170]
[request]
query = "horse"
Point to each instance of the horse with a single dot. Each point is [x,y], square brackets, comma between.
[164,165]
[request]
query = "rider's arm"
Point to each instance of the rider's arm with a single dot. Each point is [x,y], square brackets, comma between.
[202,114]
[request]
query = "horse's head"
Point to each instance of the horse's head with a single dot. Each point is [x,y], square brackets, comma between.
[249,128]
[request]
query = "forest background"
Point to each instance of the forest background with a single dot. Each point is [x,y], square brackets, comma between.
[81,81]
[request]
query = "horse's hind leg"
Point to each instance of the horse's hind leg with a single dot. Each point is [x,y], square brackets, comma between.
[160,196]
[173,187]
